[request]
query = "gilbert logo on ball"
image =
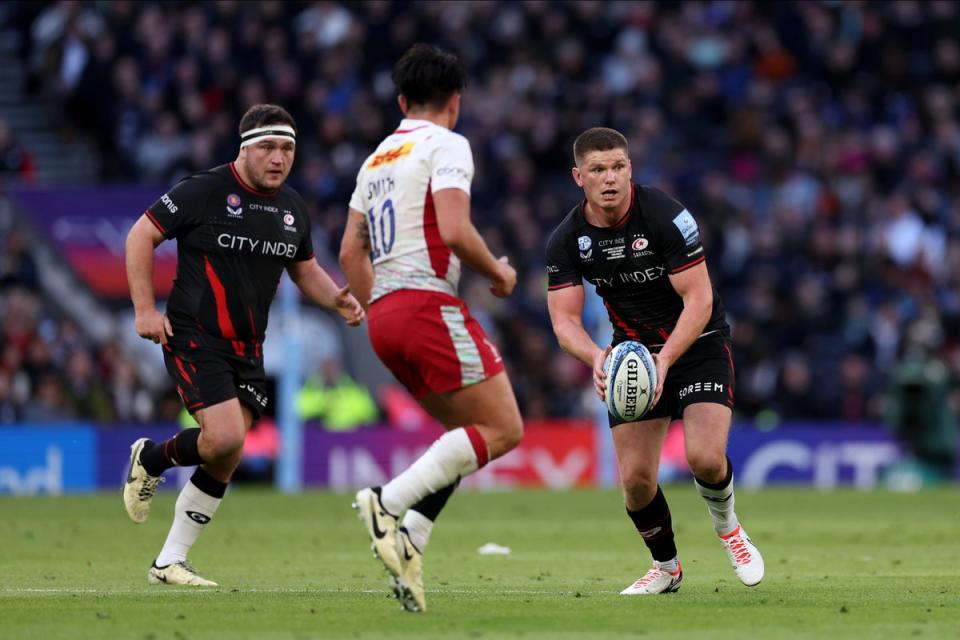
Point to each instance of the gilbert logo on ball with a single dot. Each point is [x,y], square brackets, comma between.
[631,381]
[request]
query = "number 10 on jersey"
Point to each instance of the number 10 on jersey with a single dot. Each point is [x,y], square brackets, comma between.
[382,231]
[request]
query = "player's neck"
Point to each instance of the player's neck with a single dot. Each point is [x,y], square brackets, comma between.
[245,178]
[601,217]
[440,118]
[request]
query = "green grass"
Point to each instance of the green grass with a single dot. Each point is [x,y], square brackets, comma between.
[839,565]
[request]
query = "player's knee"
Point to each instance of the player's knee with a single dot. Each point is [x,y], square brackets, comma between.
[639,487]
[221,445]
[513,434]
[503,436]
[707,465]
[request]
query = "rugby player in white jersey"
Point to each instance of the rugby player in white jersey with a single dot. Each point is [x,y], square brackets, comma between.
[408,231]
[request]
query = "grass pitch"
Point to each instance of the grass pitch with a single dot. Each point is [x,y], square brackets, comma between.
[839,565]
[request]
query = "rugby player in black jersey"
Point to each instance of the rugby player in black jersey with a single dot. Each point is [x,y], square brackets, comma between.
[238,227]
[641,249]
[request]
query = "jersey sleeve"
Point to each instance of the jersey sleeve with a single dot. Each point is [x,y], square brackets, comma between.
[357,202]
[451,164]
[679,234]
[181,208]
[561,269]
[305,248]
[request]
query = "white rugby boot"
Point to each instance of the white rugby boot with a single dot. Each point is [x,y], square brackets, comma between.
[408,586]
[381,526]
[744,556]
[655,581]
[178,573]
[140,487]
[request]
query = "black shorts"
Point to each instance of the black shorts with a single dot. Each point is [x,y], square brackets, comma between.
[703,374]
[209,370]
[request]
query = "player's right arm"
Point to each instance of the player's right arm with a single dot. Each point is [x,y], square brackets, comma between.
[355,257]
[463,239]
[143,238]
[566,315]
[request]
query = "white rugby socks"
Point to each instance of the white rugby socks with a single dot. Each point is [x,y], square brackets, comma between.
[455,454]
[418,526]
[720,501]
[194,509]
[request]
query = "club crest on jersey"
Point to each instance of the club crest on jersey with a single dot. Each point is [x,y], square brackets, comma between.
[288,221]
[640,247]
[234,210]
[584,243]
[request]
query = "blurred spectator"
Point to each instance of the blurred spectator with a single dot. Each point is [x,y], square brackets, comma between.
[919,410]
[336,400]
[15,159]
[17,267]
[49,403]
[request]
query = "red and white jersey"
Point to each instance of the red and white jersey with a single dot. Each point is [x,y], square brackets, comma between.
[395,190]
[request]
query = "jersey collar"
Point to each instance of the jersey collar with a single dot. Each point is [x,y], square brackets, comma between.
[412,124]
[248,188]
[622,222]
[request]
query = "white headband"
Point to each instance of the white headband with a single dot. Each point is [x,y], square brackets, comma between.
[282,131]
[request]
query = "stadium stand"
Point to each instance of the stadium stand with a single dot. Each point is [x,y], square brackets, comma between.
[817,143]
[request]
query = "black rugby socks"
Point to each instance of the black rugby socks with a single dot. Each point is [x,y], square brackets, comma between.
[655,526]
[179,451]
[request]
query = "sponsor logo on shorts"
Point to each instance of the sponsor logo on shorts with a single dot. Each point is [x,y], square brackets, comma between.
[493,349]
[698,387]
[260,398]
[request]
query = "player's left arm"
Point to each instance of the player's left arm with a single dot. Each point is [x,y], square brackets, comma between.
[693,286]
[355,256]
[320,288]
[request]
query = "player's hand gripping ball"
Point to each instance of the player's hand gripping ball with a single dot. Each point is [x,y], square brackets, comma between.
[631,381]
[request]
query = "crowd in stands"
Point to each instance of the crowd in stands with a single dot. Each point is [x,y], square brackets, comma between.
[49,370]
[817,143]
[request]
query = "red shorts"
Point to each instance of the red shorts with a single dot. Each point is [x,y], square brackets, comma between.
[430,342]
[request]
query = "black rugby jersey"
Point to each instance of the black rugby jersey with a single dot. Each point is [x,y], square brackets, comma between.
[629,264]
[233,244]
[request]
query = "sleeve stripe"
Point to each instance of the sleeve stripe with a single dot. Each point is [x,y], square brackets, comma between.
[155,223]
[563,285]
[684,267]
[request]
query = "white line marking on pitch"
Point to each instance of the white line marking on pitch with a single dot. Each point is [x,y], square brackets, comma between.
[228,590]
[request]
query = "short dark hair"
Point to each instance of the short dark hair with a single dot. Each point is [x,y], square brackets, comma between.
[598,139]
[260,115]
[427,75]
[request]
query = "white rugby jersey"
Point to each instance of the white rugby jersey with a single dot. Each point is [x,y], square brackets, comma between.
[395,189]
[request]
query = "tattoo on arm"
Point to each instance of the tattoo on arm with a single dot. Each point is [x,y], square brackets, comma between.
[363,234]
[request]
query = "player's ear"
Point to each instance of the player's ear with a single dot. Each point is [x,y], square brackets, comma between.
[575,172]
[402,101]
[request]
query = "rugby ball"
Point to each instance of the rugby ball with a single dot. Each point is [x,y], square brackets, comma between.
[631,381]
